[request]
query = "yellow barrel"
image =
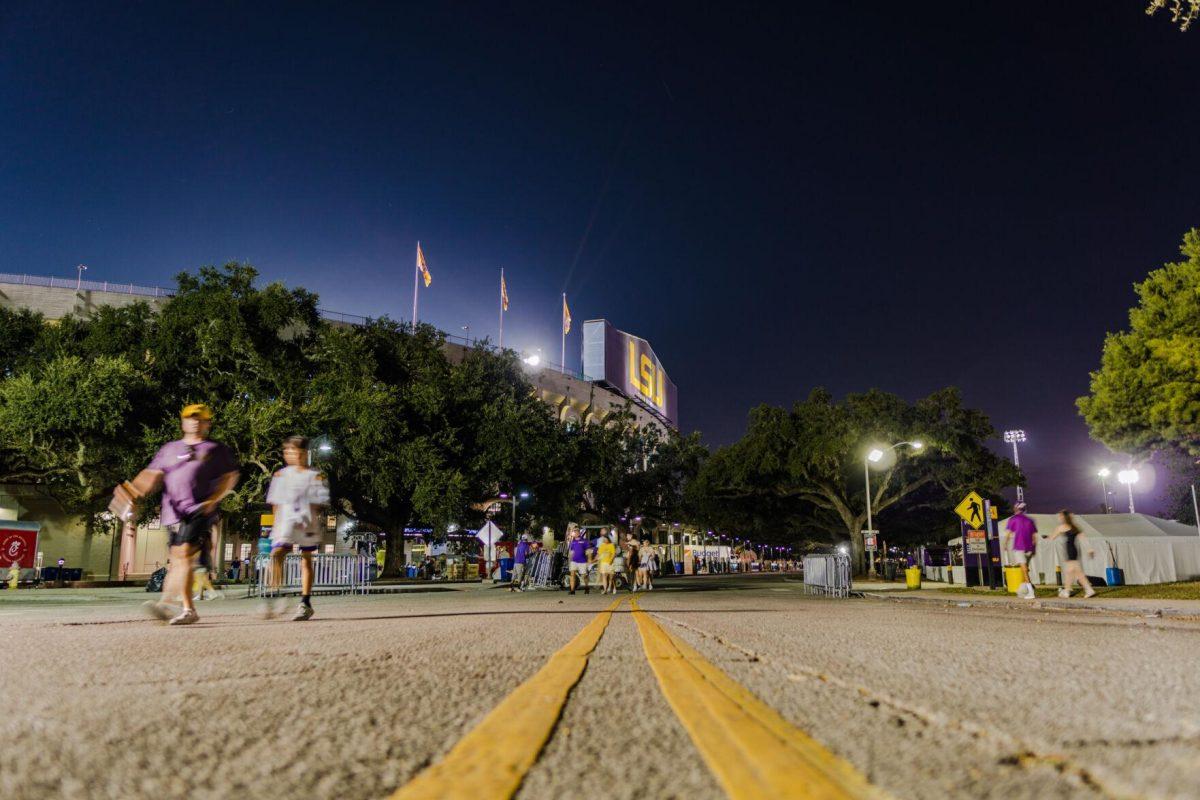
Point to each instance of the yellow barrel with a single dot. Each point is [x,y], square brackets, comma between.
[1012,579]
[912,577]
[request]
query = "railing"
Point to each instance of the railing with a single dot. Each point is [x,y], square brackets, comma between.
[827,575]
[344,572]
[90,286]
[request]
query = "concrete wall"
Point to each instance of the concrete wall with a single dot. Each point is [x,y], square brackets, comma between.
[56,302]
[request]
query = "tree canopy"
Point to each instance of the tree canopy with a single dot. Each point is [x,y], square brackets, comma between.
[1146,394]
[807,462]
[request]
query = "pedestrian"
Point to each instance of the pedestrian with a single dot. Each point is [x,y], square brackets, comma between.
[1073,540]
[520,557]
[235,570]
[631,561]
[380,560]
[1019,541]
[606,553]
[196,473]
[647,560]
[297,494]
[579,557]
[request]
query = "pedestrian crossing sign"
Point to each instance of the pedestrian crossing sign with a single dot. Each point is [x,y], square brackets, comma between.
[971,509]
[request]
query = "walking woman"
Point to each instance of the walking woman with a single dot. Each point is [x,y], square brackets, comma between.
[1073,542]
[631,561]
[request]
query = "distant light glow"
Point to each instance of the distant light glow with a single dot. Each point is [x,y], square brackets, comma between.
[1014,436]
[875,455]
[1104,472]
[1128,476]
[533,360]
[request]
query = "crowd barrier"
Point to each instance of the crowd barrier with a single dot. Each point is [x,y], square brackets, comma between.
[344,572]
[827,574]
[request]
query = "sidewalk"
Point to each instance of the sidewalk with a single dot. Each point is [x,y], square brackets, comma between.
[1116,605]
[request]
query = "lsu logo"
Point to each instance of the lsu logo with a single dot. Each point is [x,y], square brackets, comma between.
[645,376]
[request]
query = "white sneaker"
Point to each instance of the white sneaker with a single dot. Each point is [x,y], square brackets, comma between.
[271,607]
[1063,593]
[1089,593]
[186,617]
[302,613]
[158,609]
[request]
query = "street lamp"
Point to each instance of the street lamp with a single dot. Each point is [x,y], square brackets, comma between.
[79,276]
[1129,477]
[1104,473]
[1013,437]
[874,457]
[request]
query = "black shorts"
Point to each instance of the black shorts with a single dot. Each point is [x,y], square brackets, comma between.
[196,532]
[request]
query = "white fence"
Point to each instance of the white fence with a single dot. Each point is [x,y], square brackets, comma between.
[827,574]
[343,572]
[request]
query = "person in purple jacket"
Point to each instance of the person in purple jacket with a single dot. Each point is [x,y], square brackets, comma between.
[195,474]
[520,556]
[578,552]
[1019,541]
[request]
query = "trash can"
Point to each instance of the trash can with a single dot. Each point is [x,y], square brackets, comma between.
[506,565]
[1114,576]
[1012,579]
[912,577]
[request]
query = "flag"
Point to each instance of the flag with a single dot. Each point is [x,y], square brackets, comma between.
[503,292]
[424,269]
[566,317]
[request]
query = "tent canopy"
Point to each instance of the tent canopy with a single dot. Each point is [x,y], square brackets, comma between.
[1148,549]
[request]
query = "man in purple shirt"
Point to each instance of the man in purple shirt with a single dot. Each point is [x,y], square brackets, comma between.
[1019,541]
[520,556]
[577,549]
[195,473]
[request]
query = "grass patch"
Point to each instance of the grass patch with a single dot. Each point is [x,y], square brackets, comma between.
[1184,590]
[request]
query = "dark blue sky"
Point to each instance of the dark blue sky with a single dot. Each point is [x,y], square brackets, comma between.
[849,195]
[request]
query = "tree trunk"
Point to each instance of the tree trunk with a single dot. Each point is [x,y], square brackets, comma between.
[858,551]
[393,560]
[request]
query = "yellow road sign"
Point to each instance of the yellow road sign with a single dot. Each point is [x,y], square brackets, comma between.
[971,509]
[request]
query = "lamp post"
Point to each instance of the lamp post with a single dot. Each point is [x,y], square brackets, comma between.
[1129,477]
[1013,438]
[1103,474]
[79,276]
[873,457]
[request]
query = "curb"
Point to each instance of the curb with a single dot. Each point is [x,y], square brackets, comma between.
[1052,605]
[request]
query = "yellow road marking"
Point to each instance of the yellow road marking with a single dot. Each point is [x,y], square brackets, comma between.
[492,759]
[749,747]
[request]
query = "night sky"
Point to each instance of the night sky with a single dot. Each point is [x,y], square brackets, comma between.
[854,195]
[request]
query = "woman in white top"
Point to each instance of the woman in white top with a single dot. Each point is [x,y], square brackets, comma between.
[296,495]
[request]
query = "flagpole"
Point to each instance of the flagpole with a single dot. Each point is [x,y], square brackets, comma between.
[416,281]
[502,308]
[562,362]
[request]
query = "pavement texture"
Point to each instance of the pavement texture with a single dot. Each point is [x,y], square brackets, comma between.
[928,700]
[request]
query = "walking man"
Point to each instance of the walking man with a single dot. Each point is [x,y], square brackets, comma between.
[196,473]
[578,553]
[297,494]
[520,556]
[1019,541]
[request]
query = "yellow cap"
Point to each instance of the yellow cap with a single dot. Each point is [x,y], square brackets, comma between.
[196,410]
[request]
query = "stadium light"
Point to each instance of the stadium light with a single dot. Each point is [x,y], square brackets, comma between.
[1129,477]
[1014,437]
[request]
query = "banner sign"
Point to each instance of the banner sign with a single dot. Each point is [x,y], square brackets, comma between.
[629,364]
[18,545]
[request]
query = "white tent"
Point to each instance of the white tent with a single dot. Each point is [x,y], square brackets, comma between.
[1147,549]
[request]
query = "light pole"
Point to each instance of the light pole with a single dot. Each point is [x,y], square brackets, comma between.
[1129,477]
[873,457]
[1013,437]
[1104,473]
[79,276]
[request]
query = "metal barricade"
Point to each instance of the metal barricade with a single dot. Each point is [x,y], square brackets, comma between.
[341,572]
[827,574]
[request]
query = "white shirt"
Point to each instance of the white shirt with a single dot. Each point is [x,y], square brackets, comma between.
[293,493]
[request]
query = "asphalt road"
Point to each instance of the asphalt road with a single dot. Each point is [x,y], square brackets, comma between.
[923,700]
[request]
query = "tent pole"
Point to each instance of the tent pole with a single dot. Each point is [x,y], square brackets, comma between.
[1195,508]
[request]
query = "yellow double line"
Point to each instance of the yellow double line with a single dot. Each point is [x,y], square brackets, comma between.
[752,751]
